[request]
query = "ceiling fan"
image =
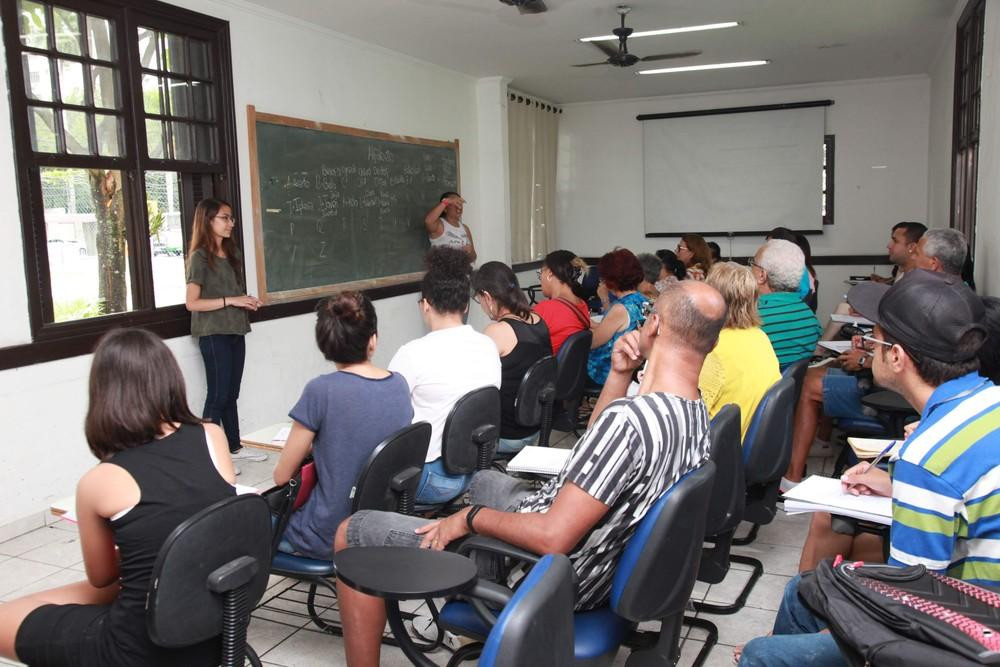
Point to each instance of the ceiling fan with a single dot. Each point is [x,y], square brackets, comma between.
[620,57]
[527,6]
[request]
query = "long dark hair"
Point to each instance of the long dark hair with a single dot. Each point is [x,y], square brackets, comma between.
[345,323]
[498,280]
[567,269]
[447,286]
[203,239]
[135,387]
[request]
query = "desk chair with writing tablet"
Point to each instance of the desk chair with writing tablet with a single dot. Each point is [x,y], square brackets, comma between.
[388,481]
[571,379]
[535,396]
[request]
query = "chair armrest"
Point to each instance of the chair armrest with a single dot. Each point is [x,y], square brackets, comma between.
[491,545]
[485,434]
[400,480]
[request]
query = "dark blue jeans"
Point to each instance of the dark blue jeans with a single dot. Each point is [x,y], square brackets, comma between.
[224,356]
[798,638]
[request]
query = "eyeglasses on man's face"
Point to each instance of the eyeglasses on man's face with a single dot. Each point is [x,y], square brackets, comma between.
[872,339]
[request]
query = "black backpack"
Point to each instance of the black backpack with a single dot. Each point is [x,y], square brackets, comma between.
[904,616]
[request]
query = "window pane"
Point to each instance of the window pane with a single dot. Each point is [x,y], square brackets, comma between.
[154,138]
[68,31]
[37,77]
[148,49]
[71,82]
[175,54]
[201,101]
[99,38]
[205,143]
[104,84]
[75,133]
[152,100]
[33,27]
[85,229]
[180,98]
[43,133]
[182,141]
[166,237]
[199,59]
[108,135]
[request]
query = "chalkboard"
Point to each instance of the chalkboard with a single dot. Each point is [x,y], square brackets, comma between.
[341,208]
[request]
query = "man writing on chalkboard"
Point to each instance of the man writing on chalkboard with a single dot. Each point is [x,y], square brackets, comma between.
[445,226]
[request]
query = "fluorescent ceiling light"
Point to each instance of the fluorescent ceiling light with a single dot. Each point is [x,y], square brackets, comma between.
[695,68]
[665,31]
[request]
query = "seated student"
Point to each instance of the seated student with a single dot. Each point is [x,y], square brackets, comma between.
[444,365]
[565,311]
[158,465]
[716,251]
[928,335]
[902,249]
[521,338]
[742,367]
[621,274]
[807,287]
[673,268]
[652,269]
[694,252]
[836,391]
[788,322]
[340,419]
[637,449]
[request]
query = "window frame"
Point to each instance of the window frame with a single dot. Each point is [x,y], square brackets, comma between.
[829,167]
[52,340]
[966,114]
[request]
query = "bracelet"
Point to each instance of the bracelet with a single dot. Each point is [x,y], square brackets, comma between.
[223,302]
[472,515]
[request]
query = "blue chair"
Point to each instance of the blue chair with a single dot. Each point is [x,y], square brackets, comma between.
[536,626]
[667,540]
[388,481]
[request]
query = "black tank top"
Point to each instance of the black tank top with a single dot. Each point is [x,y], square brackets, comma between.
[533,343]
[176,479]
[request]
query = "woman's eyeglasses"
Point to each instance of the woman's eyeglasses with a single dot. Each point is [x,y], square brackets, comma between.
[226,218]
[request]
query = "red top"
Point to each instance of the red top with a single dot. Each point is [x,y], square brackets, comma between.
[563,319]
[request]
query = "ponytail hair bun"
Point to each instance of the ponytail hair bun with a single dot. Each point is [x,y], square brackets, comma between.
[345,323]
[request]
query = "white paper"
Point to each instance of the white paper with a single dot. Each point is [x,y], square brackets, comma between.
[838,346]
[851,319]
[825,494]
[539,460]
[282,435]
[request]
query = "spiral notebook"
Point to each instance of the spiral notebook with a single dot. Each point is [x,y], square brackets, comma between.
[547,461]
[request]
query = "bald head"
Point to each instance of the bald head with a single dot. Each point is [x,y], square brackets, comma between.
[693,312]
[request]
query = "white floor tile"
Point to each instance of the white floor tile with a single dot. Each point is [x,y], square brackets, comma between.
[34,539]
[17,573]
[64,552]
[54,580]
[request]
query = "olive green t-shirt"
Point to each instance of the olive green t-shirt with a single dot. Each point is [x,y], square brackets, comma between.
[217,280]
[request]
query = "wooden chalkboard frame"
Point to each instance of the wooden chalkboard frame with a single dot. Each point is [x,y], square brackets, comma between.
[253,117]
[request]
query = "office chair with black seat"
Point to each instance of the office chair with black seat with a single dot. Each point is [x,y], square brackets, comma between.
[667,540]
[209,574]
[388,481]
[571,379]
[535,397]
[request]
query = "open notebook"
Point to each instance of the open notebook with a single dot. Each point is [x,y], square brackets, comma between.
[539,461]
[824,494]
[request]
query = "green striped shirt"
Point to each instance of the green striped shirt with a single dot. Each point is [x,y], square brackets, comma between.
[790,325]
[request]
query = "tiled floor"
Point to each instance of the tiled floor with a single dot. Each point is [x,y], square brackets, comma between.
[50,556]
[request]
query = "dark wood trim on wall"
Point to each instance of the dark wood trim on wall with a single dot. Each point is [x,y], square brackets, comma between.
[765,232]
[527,266]
[727,110]
[817,260]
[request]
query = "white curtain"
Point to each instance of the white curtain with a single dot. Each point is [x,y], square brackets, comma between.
[532,135]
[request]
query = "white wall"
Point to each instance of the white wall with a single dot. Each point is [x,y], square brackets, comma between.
[881,129]
[988,210]
[282,66]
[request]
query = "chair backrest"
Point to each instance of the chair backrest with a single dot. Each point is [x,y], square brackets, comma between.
[657,570]
[767,447]
[471,430]
[388,481]
[180,608]
[571,366]
[797,372]
[536,626]
[729,488]
[537,388]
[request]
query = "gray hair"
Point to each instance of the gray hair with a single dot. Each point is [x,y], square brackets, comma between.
[950,248]
[651,266]
[784,263]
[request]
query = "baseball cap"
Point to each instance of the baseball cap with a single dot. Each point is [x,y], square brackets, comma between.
[927,312]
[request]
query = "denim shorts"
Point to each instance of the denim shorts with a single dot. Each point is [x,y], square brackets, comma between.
[842,395]
[371,528]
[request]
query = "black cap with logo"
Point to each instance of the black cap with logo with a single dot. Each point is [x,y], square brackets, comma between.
[927,312]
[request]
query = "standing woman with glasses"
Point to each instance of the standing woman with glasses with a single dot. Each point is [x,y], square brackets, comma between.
[696,255]
[219,303]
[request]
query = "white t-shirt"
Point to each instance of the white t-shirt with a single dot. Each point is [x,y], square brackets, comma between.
[453,236]
[442,367]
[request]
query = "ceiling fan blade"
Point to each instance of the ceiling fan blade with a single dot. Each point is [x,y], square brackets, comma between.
[603,62]
[605,48]
[670,56]
[532,7]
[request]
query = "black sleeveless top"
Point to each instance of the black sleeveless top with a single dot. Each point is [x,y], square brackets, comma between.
[533,343]
[176,479]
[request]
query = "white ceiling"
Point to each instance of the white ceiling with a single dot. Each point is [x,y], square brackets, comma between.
[805,40]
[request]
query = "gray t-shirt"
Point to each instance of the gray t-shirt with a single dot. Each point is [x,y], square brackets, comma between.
[350,416]
[217,280]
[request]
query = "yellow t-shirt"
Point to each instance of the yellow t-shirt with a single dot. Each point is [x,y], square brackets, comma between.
[740,369]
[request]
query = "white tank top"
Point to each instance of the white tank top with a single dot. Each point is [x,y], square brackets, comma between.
[452,236]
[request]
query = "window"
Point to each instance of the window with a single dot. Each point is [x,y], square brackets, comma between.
[965,129]
[123,120]
[829,150]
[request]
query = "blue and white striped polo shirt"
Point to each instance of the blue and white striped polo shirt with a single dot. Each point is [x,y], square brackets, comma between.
[946,484]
